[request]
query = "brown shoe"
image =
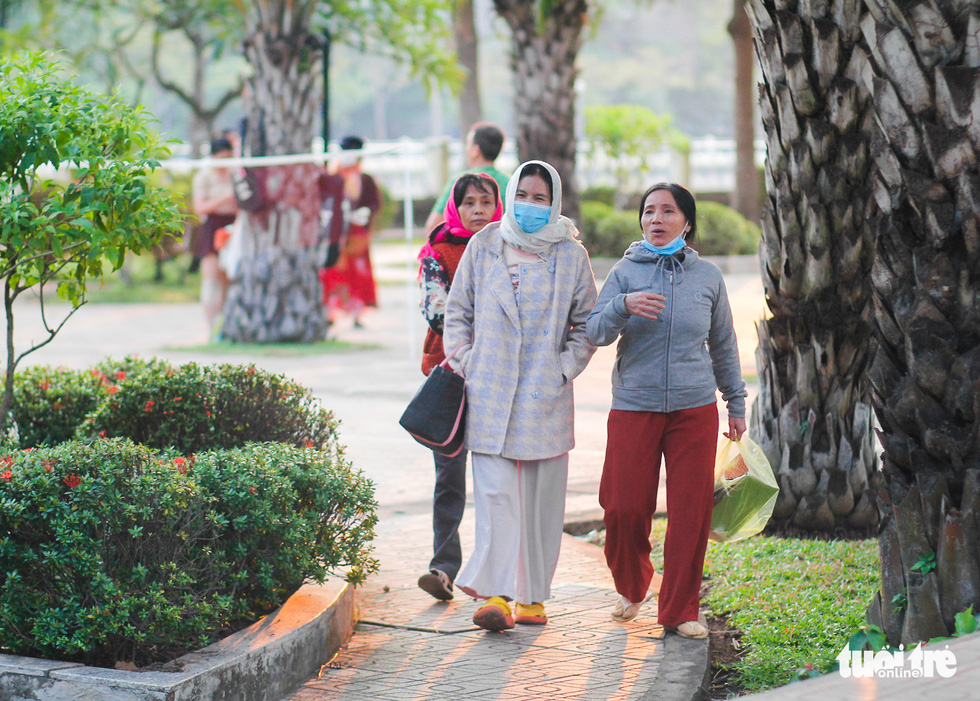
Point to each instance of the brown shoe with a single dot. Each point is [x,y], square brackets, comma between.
[438,584]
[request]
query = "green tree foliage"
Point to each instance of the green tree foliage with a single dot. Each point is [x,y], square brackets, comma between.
[413,32]
[67,231]
[629,135]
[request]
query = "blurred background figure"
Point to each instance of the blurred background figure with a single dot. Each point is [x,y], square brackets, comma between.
[214,205]
[348,285]
[484,142]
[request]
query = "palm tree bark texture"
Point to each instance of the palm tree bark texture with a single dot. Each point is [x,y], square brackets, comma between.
[276,296]
[545,39]
[813,415]
[924,77]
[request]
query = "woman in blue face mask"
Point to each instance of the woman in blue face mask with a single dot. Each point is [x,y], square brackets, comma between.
[516,313]
[670,309]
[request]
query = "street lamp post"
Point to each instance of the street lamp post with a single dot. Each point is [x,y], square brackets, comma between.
[325,105]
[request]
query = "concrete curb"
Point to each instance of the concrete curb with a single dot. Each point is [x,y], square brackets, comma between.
[264,661]
[685,673]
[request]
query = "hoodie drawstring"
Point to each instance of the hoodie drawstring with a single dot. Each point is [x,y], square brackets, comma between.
[668,264]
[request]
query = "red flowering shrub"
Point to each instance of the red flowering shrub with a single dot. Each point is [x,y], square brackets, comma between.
[193,407]
[165,522]
[187,407]
[111,551]
[50,403]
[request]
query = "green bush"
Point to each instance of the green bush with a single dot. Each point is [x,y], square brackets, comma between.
[317,514]
[606,194]
[192,408]
[385,217]
[607,231]
[724,232]
[189,407]
[616,231]
[590,214]
[50,404]
[113,552]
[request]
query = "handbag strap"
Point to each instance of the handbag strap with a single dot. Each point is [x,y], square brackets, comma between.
[445,362]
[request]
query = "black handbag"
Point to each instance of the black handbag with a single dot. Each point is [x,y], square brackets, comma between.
[436,416]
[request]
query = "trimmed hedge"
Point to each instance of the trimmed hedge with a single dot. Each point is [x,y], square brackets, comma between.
[188,407]
[111,551]
[724,232]
[51,403]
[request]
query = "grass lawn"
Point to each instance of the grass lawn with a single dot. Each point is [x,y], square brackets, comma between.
[277,349]
[136,283]
[795,601]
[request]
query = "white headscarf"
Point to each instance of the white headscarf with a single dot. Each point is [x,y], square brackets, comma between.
[557,229]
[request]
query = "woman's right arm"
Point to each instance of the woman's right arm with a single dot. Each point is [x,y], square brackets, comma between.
[609,315]
[458,330]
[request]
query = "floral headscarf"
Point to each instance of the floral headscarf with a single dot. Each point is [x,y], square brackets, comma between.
[454,225]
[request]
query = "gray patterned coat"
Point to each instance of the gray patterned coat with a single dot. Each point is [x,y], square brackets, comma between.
[520,352]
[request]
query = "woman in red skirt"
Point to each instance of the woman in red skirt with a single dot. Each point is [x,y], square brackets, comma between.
[348,286]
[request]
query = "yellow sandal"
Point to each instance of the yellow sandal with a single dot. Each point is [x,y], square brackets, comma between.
[494,615]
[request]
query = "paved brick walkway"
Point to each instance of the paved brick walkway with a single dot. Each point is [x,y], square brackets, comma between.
[409,646]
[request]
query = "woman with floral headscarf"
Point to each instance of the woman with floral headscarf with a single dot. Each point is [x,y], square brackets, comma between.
[474,202]
[516,321]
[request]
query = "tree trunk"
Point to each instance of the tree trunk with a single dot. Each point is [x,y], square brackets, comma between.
[464,31]
[926,375]
[745,198]
[544,47]
[276,296]
[813,414]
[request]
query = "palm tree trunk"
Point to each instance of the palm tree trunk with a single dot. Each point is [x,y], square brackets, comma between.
[276,296]
[926,376]
[544,46]
[813,414]
[745,197]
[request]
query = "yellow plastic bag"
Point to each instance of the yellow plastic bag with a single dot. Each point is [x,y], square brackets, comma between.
[745,491]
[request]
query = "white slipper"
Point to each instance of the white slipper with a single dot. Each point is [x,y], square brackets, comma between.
[692,629]
[625,610]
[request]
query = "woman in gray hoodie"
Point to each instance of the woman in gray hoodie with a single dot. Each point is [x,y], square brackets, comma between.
[670,311]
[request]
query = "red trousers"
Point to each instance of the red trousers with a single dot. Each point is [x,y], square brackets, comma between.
[687,440]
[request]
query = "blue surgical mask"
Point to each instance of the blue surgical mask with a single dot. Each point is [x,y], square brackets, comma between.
[672,247]
[531,217]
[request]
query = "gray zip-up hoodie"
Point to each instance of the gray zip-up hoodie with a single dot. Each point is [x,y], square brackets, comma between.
[677,361]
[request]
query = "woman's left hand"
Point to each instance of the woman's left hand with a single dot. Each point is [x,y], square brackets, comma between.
[736,427]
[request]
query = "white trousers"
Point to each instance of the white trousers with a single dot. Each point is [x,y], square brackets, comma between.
[520,512]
